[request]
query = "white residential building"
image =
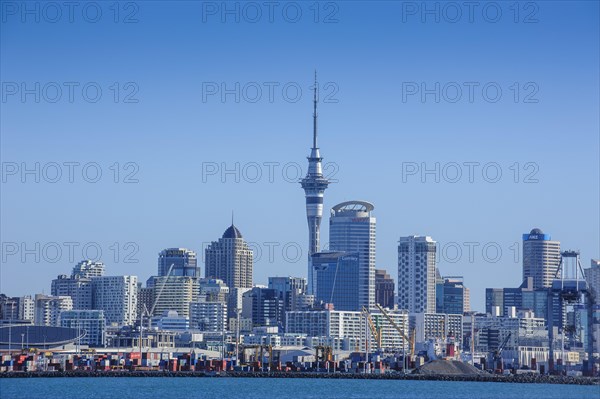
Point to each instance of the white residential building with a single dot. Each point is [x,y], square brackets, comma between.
[349,326]
[48,308]
[437,326]
[416,274]
[117,297]
[208,316]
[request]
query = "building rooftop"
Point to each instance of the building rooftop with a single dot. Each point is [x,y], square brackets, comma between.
[232,232]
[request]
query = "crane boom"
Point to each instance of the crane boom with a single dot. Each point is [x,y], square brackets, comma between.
[504,342]
[374,330]
[393,323]
[162,287]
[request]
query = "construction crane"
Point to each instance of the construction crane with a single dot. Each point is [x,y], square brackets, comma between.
[145,312]
[497,354]
[375,330]
[393,323]
[404,337]
[162,287]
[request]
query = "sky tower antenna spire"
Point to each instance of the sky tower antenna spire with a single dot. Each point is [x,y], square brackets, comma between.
[315,112]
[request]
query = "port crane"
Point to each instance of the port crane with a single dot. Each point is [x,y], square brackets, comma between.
[411,342]
[496,355]
[375,330]
[400,331]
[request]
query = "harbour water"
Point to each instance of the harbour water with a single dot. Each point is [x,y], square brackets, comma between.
[266,388]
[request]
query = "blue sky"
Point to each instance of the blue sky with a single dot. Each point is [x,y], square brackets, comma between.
[370,129]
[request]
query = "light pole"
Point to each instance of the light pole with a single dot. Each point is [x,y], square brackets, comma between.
[9,336]
[237,336]
[22,341]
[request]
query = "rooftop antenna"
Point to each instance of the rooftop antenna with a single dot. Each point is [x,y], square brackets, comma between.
[232,217]
[315,112]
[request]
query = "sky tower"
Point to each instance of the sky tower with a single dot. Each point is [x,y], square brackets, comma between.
[314,185]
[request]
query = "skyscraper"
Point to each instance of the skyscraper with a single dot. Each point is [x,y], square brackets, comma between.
[314,185]
[541,258]
[117,296]
[336,278]
[452,297]
[263,306]
[183,260]
[416,274]
[384,289]
[352,229]
[230,259]
[176,293]
[288,289]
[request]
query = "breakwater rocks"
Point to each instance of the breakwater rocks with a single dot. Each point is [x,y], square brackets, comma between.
[522,378]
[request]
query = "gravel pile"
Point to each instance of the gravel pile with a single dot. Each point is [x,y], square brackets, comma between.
[447,367]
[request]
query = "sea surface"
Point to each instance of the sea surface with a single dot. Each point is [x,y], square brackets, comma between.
[266,388]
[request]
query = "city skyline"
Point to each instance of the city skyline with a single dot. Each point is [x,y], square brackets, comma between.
[369,134]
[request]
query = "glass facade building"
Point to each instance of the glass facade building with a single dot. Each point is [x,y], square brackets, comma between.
[452,296]
[337,279]
[541,258]
[352,230]
[183,260]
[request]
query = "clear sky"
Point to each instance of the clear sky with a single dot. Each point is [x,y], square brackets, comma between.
[169,122]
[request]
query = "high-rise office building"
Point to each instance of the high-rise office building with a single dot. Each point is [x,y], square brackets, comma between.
[592,275]
[289,290]
[500,301]
[416,274]
[235,301]
[117,297]
[176,293]
[263,306]
[352,229]
[541,258]
[336,279]
[384,289]
[230,259]
[213,290]
[452,297]
[183,260]
[314,185]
